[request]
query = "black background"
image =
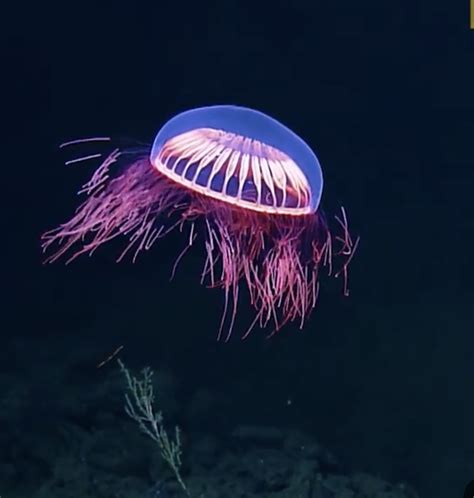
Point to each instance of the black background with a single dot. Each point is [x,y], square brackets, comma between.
[383,91]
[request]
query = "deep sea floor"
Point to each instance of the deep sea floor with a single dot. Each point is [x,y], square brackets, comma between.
[78,442]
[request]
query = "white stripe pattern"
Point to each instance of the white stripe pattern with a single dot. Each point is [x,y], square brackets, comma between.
[237,170]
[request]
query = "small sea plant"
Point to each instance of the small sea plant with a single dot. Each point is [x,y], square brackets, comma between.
[140,407]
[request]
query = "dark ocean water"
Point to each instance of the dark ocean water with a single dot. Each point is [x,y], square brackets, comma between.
[374,397]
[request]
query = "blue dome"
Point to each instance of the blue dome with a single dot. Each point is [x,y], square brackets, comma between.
[250,126]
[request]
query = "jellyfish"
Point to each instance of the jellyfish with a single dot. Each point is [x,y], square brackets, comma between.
[239,183]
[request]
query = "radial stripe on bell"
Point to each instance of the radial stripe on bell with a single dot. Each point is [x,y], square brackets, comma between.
[235,169]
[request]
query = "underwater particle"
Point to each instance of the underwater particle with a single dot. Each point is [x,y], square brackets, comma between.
[238,179]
